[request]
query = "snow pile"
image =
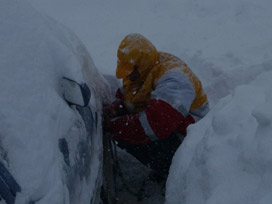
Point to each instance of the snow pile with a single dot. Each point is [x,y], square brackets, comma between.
[226,157]
[35,54]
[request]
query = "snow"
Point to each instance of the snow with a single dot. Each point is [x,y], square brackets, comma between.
[226,157]
[224,33]
[134,183]
[36,52]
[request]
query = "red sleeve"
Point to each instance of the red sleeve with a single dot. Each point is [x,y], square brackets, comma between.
[162,118]
[129,129]
[182,128]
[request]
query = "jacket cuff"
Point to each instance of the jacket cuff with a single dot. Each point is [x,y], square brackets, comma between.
[128,129]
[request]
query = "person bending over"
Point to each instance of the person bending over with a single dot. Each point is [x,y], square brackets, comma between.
[159,99]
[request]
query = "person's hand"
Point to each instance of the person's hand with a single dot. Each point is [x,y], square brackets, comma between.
[110,111]
[116,109]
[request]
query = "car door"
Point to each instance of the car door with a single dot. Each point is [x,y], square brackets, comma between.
[82,146]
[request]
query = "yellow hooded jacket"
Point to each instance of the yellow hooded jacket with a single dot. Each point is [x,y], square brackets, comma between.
[162,76]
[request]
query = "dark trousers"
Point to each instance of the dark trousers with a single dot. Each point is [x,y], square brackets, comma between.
[157,155]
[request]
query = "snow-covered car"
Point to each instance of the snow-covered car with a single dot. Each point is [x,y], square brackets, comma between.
[51,144]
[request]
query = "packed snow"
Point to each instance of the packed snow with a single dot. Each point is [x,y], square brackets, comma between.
[226,157]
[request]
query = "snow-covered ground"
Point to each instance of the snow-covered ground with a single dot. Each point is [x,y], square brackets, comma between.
[226,157]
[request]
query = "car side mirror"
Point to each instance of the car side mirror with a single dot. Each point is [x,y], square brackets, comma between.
[75,93]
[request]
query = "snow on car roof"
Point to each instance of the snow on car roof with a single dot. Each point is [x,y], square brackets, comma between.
[36,52]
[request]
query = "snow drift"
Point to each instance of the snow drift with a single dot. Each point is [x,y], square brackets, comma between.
[226,157]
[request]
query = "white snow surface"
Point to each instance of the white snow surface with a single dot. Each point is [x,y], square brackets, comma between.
[226,157]
[36,52]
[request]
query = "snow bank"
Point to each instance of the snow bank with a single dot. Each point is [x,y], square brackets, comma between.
[226,157]
[36,52]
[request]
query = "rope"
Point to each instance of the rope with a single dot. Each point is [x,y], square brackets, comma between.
[138,194]
[110,147]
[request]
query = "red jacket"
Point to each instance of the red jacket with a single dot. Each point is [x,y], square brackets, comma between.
[158,121]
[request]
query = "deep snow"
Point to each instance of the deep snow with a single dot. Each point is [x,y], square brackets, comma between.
[226,156]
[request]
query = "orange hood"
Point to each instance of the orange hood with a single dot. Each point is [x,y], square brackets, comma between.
[135,50]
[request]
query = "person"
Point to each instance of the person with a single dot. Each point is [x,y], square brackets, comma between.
[159,99]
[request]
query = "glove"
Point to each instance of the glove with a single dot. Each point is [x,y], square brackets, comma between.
[116,109]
